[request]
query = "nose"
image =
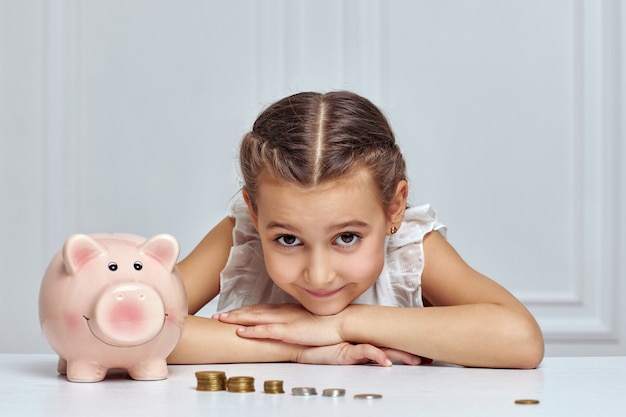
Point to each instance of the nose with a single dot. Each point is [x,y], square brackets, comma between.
[127,315]
[319,271]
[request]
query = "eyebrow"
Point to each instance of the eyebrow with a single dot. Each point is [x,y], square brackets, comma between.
[344,225]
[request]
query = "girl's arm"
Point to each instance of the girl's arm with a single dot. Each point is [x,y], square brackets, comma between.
[204,340]
[473,322]
[209,341]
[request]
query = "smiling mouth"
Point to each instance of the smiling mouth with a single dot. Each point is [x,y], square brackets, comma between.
[88,320]
[323,294]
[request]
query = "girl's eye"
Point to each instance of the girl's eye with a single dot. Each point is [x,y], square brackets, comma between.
[288,240]
[347,239]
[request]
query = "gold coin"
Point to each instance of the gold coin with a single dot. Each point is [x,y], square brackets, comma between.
[526,401]
[210,374]
[334,392]
[273,386]
[303,391]
[368,396]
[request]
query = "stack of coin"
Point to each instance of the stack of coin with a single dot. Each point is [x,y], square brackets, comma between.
[240,384]
[303,391]
[273,386]
[334,392]
[211,380]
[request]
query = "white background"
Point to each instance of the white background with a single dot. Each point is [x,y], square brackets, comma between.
[125,116]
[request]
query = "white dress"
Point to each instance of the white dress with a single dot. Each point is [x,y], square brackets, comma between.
[244,280]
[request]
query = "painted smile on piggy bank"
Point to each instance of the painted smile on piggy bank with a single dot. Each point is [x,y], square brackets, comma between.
[127,315]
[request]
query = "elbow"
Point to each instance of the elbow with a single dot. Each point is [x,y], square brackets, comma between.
[530,347]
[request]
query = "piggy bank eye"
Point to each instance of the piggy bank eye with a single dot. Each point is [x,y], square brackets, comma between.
[138,265]
[112,266]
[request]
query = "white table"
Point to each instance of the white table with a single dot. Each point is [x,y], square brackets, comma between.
[586,387]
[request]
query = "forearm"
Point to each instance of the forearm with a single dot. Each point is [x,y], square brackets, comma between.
[480,335]
[204,340]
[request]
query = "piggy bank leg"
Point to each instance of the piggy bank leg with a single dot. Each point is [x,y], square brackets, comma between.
[85,371]
[149,370]
[62,366]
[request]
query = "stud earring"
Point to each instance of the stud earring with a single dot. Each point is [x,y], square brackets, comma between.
[393,230]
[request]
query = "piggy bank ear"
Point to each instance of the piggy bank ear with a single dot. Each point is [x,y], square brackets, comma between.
[78,250]
[164,248]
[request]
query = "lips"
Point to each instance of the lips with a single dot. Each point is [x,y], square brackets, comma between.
[323,294]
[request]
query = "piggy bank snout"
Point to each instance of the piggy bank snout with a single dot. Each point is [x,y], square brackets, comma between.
[127,315]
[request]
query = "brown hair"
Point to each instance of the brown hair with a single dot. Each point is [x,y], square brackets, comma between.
[310,138]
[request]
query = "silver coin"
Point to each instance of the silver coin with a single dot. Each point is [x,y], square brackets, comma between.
[303,391]
[334,392]
[368,396]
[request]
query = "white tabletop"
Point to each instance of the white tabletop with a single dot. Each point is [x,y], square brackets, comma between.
[586,387]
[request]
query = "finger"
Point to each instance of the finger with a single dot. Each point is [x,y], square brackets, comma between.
[284,333]
[404,357]
[247,317]
[267,331]
[366,352]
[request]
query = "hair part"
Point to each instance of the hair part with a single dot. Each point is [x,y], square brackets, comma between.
[310,138]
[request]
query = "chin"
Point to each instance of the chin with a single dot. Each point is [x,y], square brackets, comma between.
[328,310]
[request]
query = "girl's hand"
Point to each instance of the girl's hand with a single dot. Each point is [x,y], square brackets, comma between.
[290,323]
[319,335]
[348,354]
[343,354]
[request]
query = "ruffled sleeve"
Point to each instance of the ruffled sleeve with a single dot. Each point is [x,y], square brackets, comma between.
[244,280]
[404,262]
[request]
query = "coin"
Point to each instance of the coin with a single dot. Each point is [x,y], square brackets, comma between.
[303,391]
[368,396]
[211,380]
[273,386]
[526,401]
[334,392]
[240,384]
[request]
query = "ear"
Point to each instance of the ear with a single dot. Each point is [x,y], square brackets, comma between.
[78,250]
[397,206]
[253,214]
[164,248]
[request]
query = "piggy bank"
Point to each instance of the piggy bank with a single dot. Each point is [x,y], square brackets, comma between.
[113,301]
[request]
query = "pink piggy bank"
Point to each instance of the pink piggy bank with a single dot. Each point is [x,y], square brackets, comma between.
[113,301]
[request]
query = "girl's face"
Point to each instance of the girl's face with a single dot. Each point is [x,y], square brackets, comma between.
[324,246]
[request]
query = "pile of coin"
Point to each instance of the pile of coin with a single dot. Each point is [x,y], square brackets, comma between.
[303,391]
[211,380]
[273,386]
[334,392]
[240,384]
[217,381]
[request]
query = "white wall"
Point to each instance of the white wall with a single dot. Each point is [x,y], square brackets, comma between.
[125,115]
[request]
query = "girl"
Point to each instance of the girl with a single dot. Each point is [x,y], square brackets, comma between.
[321,261]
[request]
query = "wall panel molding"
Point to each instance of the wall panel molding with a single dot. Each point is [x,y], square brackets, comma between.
[589,310]
[62,118]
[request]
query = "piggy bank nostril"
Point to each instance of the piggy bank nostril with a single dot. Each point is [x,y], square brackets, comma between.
[142,297]
[119,297]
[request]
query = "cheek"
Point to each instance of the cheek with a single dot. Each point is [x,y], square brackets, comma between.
[365,266]
[280,270]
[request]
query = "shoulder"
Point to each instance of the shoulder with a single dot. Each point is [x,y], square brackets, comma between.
[417,223]
[404,260]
